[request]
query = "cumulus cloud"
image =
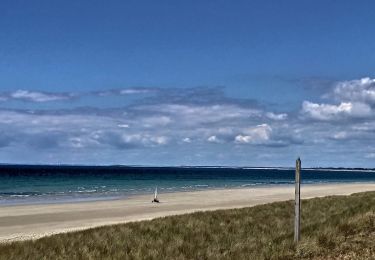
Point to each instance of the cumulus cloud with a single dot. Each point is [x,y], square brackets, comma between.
[76,129]
[213,139]
[190,118]
[362,90]
[144,139]
[334,112]
[254,135]
[350,99]
[274,116]
[135,126]
[41,96]
[34,96]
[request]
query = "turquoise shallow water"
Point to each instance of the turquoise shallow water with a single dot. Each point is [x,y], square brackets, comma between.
[53,184]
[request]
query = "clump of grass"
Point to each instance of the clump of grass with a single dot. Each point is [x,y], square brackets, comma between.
[336,227]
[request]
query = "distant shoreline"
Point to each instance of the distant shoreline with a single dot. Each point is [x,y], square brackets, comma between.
[5,165]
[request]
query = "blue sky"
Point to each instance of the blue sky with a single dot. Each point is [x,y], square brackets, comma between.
[254,83]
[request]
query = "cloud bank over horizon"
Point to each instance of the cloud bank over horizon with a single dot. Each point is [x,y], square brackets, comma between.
[190,126]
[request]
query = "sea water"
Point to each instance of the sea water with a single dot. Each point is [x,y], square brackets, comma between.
[57,184]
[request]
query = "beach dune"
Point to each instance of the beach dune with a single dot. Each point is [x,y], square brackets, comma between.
[34,221]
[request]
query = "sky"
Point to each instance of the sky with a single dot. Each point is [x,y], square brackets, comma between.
[169,83]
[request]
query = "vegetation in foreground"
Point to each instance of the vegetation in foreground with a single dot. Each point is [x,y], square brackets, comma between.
[337,227]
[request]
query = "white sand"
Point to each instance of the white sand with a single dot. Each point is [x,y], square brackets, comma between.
[34,221]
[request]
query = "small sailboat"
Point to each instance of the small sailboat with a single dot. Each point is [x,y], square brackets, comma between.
[156,200]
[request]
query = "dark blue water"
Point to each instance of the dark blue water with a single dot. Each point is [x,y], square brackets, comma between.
[52,184]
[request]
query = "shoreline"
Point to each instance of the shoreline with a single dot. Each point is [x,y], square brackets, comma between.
[4,203]
[22,222]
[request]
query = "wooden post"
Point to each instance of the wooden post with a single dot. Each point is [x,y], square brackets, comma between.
[297,202]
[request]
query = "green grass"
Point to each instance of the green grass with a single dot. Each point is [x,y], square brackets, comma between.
[337,227]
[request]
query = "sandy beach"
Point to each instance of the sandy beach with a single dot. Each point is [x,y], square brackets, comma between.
[35,221]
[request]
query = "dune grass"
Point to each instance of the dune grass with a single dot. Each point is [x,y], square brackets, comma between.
[336,227]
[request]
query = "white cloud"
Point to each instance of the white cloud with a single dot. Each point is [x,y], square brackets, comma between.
[243,139]
[34,96]
[213,139]
[362,90]
[198,120]
[130,91]
[255,135]
[334,112]
[186,140]
[277,117]
[144,139]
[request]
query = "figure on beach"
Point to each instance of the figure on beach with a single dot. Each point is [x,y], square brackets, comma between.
[156,200]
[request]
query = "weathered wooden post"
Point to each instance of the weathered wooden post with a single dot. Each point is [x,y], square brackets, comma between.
[297,202]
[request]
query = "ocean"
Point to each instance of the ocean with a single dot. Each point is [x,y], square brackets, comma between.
[57,184]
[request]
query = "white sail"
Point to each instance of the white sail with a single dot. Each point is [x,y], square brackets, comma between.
[156,193]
